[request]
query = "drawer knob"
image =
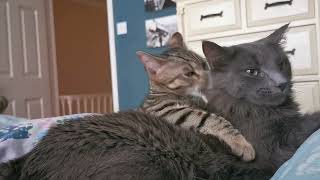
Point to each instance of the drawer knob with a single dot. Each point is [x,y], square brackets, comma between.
[280,3]
[220,14]
[291,52]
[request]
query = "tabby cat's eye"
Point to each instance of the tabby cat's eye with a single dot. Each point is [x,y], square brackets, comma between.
[252,72]
[190,74]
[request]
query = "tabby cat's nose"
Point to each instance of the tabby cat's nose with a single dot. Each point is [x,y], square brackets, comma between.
[283,86]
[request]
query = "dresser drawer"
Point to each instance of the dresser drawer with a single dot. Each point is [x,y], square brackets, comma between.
[301,47]
[212,16]
[196,46]
[307,95]
[261,12]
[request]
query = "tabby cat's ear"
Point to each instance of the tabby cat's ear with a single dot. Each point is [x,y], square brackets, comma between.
[151,63]
[213,52]
[278,35]
[176,41]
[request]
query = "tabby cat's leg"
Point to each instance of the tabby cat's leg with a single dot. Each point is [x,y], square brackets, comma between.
[223,129]
[205,123]
[3,104]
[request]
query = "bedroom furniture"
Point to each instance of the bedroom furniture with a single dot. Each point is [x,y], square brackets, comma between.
[230,22]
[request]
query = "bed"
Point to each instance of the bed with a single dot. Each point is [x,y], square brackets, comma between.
[18,136]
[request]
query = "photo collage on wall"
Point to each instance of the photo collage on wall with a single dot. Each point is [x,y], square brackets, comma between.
[159,30]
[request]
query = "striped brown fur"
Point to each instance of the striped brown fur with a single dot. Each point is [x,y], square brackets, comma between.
[177,78]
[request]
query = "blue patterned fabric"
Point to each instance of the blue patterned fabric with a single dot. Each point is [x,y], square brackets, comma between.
[305,164]
[18,136]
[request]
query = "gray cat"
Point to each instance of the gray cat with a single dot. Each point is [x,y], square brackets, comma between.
[252,89]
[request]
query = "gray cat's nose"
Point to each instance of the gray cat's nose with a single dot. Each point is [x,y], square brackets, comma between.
[283,86]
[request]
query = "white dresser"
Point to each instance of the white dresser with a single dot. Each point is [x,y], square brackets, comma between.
[230,22]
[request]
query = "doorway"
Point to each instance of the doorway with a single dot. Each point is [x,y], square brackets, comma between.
[54,55]
[82,56]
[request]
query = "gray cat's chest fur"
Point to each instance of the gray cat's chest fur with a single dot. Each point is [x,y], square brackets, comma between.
[267,128]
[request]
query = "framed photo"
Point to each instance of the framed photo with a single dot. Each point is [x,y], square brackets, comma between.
[156,5]
[159,30]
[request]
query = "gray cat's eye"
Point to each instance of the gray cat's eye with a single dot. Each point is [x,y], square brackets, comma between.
[252,72]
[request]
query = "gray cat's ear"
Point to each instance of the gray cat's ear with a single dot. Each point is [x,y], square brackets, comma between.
[151,63]
[278,35]
[213,52]
[176,41]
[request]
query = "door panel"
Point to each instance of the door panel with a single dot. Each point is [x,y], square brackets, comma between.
[5,40]
[34,107]
[24,77]
[30,41]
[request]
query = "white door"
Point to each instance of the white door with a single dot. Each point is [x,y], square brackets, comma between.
[24,67]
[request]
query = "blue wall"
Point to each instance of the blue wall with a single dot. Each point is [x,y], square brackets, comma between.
[132,80]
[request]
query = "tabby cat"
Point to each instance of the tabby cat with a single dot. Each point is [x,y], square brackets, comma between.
[177,78]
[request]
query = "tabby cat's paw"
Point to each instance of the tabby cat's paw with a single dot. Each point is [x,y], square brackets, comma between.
[242,148]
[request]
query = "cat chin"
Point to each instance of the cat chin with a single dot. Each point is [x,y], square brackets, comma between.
[268,101]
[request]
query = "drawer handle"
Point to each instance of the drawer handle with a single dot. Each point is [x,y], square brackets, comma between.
[280,3]
[220,14]
[291,52]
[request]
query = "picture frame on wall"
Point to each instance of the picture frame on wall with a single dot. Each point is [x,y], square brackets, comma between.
[159,30]
[156,5]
